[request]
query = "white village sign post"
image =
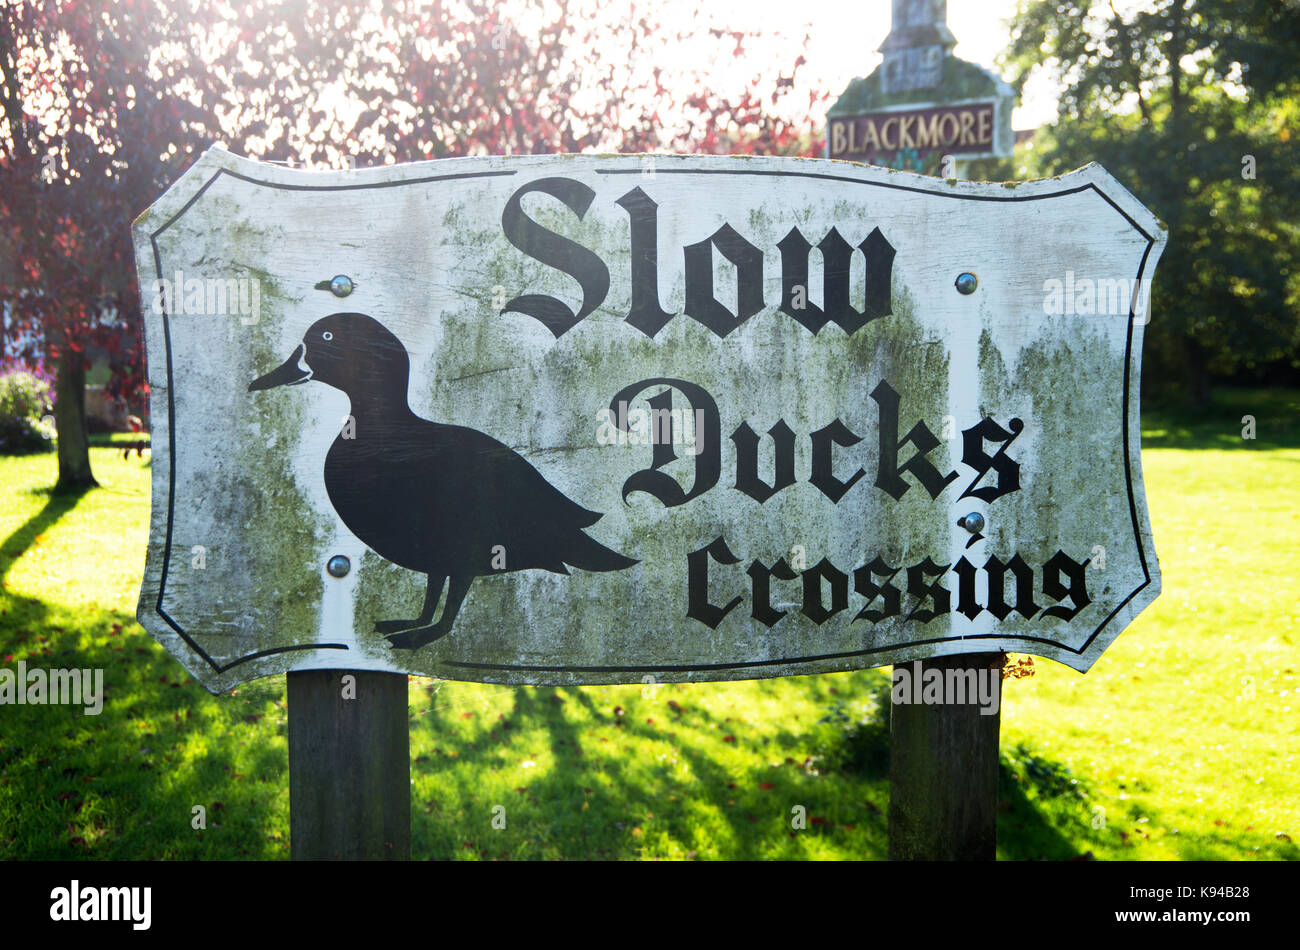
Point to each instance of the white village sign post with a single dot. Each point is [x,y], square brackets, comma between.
[595,420]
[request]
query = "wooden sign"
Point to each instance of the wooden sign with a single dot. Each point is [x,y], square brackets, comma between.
[964,131]
[571,419]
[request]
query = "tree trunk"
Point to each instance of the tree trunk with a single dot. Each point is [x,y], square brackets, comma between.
[1197,372]
[70,419]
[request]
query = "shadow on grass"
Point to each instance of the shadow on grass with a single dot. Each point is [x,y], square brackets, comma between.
[666,776]
[123,783]
[163,772]
[1272,414]
[23,613]
[58,505]
[549,805]
[663,777]
[1038,798]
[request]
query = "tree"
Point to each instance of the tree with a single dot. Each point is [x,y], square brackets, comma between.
[321,82]
[1188,103]
[88,135]
[104,104]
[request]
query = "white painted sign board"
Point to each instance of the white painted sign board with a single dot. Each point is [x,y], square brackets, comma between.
[579,419]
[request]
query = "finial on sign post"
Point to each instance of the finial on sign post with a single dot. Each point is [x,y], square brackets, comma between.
[918,42]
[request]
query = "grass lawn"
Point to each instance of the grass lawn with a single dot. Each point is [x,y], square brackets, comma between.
[1180,744]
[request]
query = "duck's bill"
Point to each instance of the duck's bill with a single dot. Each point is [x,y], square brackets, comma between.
[291,371]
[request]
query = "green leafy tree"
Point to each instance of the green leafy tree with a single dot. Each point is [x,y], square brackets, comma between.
[1191,104]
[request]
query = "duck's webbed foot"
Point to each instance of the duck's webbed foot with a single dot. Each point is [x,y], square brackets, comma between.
[432,592]
[423,635]
[419,636]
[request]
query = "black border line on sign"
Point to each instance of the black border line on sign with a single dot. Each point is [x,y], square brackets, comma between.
[1127,435]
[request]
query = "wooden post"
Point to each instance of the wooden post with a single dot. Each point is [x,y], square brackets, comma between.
[943,774]
[349,767]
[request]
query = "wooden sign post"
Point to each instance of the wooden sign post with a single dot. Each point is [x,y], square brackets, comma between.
[349,766]
[943,772]
[582,420]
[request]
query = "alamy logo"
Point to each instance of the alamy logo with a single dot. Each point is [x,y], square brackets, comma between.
[656,426]
[208,297]
[934,687]
[1104,295]
[38,687]
[103,903]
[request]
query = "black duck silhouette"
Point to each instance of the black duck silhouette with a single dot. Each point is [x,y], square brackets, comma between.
[443,500]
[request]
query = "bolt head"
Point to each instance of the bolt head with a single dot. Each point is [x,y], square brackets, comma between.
[973,522]
[338,566]
[966,283]
[341,285]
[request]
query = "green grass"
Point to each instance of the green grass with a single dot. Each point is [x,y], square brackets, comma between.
[102,439]
[1180,744]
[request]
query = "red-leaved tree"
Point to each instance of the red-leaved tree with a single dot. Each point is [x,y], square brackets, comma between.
[88,135]
[104,103]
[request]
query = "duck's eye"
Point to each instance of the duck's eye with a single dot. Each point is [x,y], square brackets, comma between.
[327,335]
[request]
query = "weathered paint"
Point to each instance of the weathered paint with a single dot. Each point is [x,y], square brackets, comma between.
[430,261]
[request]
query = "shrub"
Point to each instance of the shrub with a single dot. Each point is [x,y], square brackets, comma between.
[25,399]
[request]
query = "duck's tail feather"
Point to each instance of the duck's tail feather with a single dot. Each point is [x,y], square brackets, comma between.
[590,555]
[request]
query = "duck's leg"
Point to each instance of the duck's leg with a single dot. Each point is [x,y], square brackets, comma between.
[414,639]
[431,594]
